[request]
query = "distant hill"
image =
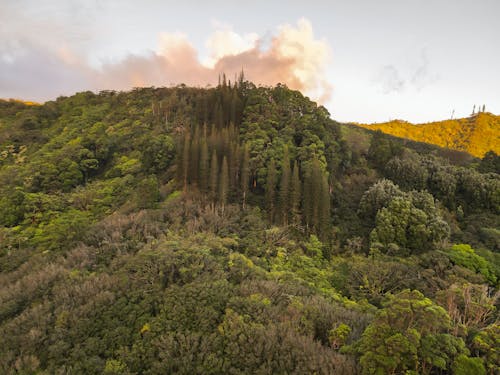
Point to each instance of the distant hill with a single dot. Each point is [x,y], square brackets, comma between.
[476,135]
[20,101]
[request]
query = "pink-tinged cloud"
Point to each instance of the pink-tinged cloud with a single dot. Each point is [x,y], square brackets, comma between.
[294,57]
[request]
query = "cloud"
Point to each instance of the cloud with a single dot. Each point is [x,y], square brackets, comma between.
[34,73]
[390,80]
[422,75]
[293,57]
[225,42]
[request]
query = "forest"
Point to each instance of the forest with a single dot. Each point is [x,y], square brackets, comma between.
[477,134]
[238,229]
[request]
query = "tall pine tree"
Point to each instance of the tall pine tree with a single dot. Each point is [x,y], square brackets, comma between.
[284,188]
[271,190]
[316,184]
[234,168]
[204,165]
[224,183]
[194,158]
[245,174]
[311,196]
[307,196]
[214,176]
[185,160]
[295,195]
[324,209]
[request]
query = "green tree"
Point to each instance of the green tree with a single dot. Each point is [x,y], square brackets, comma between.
[324,209]
[381,149]
[377,197]
[487,344]
[284,188]
[409,224]
[338,336]
[194,158]
[185,160]
[310,195]
[295,195]
[114,367]
[316,195]
[316,185]
[465,256]
[409,334]
[12,207]
[214,176]
[407,171]
[147,193]
[245,174]
[271,190]
[234,168]
[204,167]
[464,365]
[223,183]
[88,166]
[69,174]
[158,153]
[490,163]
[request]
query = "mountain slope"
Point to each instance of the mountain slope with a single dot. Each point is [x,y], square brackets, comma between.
[238,230]
[476,135]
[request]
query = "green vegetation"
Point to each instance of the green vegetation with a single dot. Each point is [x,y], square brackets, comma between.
[477,135]
[238,229]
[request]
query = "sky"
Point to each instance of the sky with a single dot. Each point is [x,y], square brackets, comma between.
[365,61]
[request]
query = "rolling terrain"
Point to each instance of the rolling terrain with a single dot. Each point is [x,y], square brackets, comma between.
[239,230]
[476,135]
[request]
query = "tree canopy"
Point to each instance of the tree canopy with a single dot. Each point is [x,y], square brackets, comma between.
[238,229]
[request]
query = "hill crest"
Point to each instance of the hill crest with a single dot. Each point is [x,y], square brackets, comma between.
[476,134]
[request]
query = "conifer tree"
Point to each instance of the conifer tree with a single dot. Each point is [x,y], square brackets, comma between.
[294,195]
[185,160]
[271,189]
[284,187]
[224,183]
[225,142]
[234,105]
[245,174]
[194,158]
[234,167]
[316,183]
[204,165]
[214,175]
[218,145]
[212,140]
[241,79]
[307,198]
[236,108]
[324,209]
[179,172]
[219,115]
[312,193]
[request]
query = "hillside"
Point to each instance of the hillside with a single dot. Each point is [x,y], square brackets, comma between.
[238,230]
[476,135]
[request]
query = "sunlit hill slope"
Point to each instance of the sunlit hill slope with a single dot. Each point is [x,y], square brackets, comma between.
[476,135]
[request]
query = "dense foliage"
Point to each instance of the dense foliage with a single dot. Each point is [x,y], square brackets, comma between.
[238,229]
[477,134]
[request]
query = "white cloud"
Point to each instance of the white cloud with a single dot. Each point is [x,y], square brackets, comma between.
[390,80]
[225,42]
[295,57]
